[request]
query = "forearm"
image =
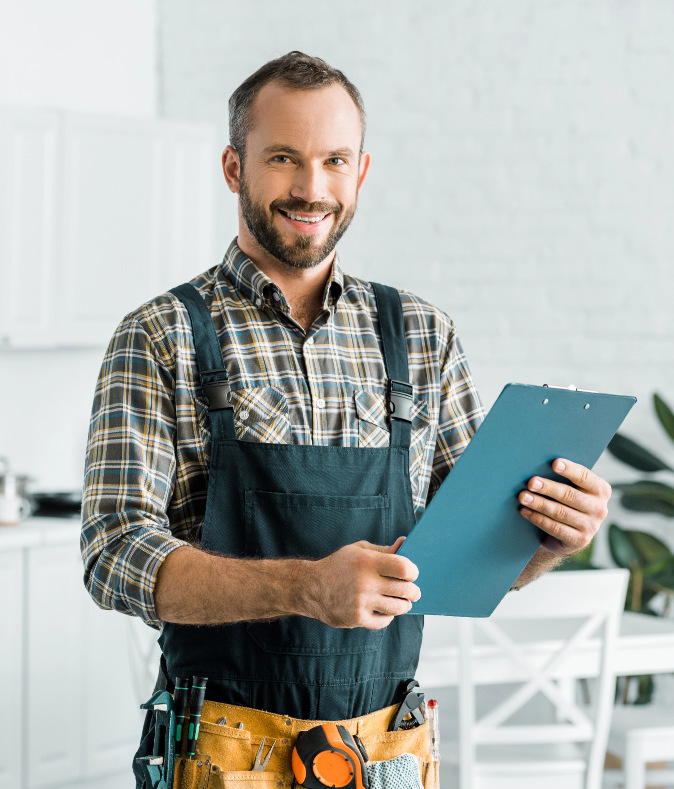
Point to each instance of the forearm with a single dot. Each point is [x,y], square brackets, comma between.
[199,588]
[542,561]
[360,585]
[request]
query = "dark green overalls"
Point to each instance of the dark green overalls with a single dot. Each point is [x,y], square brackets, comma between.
[290,500]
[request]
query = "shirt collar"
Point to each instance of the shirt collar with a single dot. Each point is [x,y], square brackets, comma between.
[257,287]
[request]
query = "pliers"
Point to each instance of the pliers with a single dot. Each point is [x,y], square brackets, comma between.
[260,764]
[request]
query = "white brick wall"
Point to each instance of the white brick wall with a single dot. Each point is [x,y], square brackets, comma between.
[523,171]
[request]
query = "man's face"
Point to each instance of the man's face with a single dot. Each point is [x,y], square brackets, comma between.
[299,183]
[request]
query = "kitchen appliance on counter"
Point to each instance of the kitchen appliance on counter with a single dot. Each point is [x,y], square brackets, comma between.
[59,504]
[14,503]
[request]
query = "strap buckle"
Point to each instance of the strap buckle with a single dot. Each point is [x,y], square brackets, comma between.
[399,403]
[217,394]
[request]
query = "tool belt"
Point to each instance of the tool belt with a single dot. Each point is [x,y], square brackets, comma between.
[230,737]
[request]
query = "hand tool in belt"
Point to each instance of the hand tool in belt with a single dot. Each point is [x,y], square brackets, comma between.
[157,768]
[260,764]
[410,705]
[197,695]
[181,695]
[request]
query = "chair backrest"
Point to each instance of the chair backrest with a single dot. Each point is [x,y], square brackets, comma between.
[561,626]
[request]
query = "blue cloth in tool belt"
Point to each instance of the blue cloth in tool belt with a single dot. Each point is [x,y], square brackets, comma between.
[284,500]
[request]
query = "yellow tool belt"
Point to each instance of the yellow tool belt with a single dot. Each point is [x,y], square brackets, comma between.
[225,752]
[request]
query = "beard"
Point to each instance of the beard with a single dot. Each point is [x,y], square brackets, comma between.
[304,252]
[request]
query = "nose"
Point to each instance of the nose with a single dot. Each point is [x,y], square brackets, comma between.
[310,183]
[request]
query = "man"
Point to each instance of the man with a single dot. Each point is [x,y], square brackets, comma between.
[263,439]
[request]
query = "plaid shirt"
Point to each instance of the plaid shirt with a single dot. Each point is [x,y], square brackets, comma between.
[146,474]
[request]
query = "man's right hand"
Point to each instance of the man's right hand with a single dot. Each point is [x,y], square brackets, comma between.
[360,585]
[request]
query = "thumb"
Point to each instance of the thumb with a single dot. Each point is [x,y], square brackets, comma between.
[396,545]
[383,548]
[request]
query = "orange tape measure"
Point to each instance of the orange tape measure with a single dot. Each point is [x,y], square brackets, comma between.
[328,755]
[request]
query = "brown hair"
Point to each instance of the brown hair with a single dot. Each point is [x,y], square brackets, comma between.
[294,70]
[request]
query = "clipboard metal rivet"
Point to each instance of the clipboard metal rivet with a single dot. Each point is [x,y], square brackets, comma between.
[546,401]
[587,405]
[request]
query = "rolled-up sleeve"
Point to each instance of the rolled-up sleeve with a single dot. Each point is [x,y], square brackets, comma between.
[130,472]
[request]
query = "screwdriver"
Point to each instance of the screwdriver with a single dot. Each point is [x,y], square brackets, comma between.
[180,696]
[196,705]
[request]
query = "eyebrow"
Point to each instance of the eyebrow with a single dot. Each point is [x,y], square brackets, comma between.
[285,149]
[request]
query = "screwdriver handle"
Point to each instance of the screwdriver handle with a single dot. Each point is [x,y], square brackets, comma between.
[181,696]
[197,696]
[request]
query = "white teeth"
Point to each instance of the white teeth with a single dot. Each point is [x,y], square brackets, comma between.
[309,219]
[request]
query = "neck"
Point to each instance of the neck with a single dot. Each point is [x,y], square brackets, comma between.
[303,288]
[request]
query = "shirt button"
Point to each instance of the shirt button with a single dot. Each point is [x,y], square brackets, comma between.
[259,302]
[310,341]
[320,403]
[276,296]
[244,415]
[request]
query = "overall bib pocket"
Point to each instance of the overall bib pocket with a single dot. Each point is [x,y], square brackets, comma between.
[312,526]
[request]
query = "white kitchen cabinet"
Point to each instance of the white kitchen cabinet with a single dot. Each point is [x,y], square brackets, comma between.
[11,660]
[29,162]
[101,214]
[55,699]
[71,696]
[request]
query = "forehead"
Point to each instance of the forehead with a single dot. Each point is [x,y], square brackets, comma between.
[324,117]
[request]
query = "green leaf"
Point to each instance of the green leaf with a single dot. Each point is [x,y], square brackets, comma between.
[628,451]
[660,568]
[647,496]
[622,550]
[650,549]
[637,549]
[665,415]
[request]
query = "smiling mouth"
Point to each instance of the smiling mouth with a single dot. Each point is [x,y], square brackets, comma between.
[310,220]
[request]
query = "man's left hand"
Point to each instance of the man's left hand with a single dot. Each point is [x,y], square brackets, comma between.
[570,514]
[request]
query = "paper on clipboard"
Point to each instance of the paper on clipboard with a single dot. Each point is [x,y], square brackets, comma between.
[471,543]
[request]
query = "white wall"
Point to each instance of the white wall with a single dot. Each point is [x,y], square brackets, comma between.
[523,174]
[92,56]
[523,170]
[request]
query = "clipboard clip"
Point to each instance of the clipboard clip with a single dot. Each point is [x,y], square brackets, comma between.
[571,387]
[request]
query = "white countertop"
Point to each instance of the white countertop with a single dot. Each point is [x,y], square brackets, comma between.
[40,532]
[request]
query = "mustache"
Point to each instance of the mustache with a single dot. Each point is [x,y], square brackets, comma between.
[298,206]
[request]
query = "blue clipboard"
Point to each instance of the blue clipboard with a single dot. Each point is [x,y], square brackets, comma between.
[471,543]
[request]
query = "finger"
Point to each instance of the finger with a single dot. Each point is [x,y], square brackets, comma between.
[554,510]
[580,476]
[561,538]
[561,495]
[402,590]
[391,606]
[396,545]
[399,567]
[377,621]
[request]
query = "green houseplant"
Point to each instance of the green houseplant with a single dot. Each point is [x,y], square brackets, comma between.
[649,560]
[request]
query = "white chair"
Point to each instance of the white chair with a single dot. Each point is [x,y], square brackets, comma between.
[514,744]
[641,735]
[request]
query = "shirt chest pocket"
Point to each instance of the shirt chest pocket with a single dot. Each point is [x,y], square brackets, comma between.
[261,415]
[373,429]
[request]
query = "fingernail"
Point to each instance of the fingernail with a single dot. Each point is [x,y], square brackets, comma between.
[537,484]
[560,466]
[527,498]
[525,511]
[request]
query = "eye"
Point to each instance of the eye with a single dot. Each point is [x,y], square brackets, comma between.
[281,158]
[336,161]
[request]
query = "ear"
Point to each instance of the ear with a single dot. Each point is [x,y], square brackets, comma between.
[363,168]
[231,167]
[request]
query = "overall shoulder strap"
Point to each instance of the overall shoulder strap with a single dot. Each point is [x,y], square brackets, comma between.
[212,375]
[399,391]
